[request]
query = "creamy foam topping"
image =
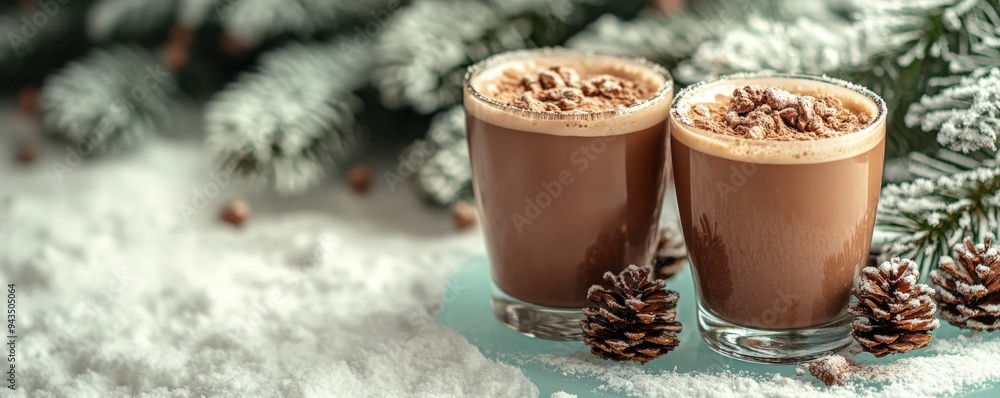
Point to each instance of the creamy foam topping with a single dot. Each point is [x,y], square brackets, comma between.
[644,114]
[853,97]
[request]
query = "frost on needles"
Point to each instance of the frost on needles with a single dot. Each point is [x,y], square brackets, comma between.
[930,215]
[954,38]
[251,21]
[291,119]
[966,116]
[421,58]
[445,175]
[260,20]
[663,39]
[112,99]
[129,19]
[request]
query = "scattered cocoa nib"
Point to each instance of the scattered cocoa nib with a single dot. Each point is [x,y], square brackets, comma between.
[27,100]
[560,89]
[776,114]
[235,212]
[175,56]
[463,216]
[27,152]
[360,178]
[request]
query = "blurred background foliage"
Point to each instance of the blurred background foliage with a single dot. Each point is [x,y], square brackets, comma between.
[294,90]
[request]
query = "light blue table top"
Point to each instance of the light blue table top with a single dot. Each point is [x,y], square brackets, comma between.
[469,313]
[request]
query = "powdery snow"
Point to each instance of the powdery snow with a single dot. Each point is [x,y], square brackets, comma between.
[948,367]
[119,296]
[635,381]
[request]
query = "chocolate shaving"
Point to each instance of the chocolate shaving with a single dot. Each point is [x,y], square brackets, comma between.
[561,89]
[776,114]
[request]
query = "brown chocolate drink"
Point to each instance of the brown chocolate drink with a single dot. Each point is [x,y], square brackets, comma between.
[778,209]
[568,158]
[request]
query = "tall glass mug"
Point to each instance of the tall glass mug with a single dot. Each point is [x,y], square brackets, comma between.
[564,197]
[776,231]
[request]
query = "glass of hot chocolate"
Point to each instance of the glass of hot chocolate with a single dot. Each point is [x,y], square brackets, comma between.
[777,179]
[568,152]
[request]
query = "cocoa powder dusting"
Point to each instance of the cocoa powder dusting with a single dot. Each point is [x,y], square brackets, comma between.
[778,115]
[561,89]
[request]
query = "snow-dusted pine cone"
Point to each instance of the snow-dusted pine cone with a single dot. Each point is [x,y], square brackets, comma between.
[634,320]
[894,314]
[970,286]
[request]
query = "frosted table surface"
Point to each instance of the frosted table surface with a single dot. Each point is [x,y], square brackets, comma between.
[471,316]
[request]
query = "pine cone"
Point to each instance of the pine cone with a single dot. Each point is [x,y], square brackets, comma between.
[670,252]
[899,312]
[970,286]
[636,319]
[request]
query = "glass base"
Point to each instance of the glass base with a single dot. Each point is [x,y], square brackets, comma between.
[773,346]
[560,324]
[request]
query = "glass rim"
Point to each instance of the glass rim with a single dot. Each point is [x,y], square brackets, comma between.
[550,52]
[861,134]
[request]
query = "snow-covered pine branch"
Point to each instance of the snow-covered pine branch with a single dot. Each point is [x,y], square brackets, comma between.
[977,39]
[943,162]
[257,20]
[725,36]
[445,175]
[422,56]
[111,99]
[905,28]
[293,117]
[802,45]
[931,215]
[965,116]
[129,19]
[960,34]
[664,39]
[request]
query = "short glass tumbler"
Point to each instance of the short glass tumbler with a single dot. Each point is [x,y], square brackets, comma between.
[564,197]
[776,231]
